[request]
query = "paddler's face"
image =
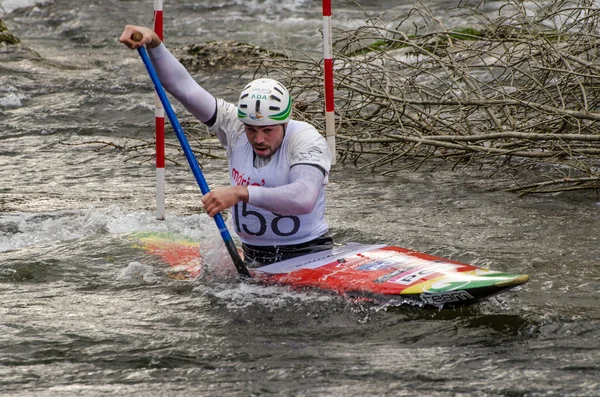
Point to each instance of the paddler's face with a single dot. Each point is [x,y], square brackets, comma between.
[265,140]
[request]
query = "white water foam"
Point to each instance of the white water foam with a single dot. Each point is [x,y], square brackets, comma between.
[12,100]
[242,295]
[20,230]
[8,6]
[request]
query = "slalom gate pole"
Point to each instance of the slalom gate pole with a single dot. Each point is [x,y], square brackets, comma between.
[328,80]
[235,256]
[159,123]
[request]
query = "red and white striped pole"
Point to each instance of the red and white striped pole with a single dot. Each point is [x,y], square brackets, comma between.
[328,79]
[159,118]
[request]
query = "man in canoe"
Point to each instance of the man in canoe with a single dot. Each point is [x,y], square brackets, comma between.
[278,166]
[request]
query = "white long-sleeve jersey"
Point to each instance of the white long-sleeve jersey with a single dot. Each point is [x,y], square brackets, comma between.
[307,156]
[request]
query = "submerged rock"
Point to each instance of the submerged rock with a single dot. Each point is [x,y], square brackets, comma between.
[6,36]
[221,55]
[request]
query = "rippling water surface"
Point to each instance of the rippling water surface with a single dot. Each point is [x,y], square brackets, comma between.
[85,312]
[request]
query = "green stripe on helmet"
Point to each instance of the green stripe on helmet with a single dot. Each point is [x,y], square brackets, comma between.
[283,115]
[241,114]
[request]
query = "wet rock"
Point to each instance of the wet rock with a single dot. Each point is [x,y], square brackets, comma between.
[6,36]
[214,55]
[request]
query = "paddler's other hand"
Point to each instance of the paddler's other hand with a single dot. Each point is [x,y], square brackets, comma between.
[223,198]
[149,38]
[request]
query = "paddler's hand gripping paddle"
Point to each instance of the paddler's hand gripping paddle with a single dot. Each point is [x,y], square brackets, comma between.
[235,256]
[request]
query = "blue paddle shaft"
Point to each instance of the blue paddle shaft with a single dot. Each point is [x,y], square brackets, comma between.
[237,261]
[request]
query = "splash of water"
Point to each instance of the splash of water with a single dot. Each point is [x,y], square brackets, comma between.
[137,271]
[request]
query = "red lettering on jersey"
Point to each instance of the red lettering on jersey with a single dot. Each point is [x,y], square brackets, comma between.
[241,181]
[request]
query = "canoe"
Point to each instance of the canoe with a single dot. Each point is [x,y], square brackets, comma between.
[375,272]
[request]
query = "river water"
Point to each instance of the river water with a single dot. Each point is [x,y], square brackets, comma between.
[84,312]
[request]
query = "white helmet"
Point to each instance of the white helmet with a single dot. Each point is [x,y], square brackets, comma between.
[264,102]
